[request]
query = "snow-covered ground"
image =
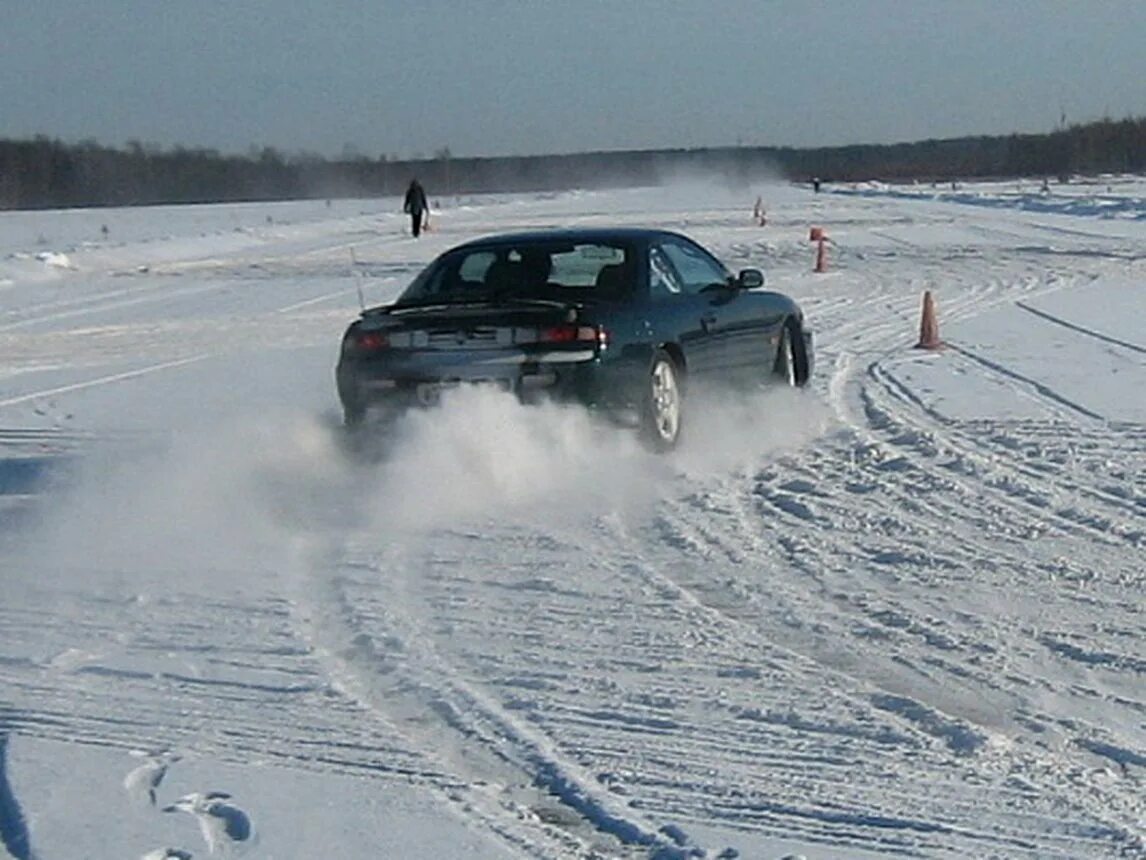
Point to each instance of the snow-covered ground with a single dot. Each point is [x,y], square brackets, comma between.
[900,614]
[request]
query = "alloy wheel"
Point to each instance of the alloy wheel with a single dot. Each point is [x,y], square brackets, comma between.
[665,402]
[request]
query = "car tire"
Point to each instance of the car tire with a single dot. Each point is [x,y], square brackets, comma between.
[664,398]
[791,365]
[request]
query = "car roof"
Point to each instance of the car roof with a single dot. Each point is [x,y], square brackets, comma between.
[626,235]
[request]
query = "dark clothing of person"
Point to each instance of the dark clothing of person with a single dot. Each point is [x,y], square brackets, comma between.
[415,204]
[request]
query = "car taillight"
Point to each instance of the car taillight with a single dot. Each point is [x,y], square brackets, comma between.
[366,341]
[586,334]
[372,340]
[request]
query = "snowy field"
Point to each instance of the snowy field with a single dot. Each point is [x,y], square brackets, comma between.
[899,614]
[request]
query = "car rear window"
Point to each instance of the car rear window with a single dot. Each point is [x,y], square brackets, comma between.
[533,270]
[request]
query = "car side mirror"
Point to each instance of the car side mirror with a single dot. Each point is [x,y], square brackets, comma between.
[750,279]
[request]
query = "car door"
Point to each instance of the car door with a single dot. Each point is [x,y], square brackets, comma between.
[738,325]
[705,279]
[682,315]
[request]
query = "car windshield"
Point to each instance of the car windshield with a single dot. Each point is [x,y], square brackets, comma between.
[534,270]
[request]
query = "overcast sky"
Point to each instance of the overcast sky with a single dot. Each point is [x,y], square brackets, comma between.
[489,77]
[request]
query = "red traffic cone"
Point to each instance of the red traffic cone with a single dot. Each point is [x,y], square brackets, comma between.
[929,325]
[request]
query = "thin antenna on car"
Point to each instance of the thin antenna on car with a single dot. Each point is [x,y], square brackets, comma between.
[358,278]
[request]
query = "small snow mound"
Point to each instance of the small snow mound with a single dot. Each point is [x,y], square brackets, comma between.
[224,827]
[143,782]
[55,259]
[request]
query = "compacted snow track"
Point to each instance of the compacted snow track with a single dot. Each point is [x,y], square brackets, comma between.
[897,614]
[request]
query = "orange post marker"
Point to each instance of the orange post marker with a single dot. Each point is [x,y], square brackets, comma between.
[816,234]
[929,325]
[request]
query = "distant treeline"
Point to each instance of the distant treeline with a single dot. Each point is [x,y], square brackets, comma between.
[46,173]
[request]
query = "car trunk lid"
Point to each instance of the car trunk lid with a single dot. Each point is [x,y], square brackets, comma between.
[476,334]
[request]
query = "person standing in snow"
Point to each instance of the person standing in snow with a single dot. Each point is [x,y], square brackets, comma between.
[415,205]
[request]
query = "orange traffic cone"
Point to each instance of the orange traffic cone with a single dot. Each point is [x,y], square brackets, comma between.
[929,325]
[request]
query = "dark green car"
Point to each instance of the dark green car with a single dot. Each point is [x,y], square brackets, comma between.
[623,321]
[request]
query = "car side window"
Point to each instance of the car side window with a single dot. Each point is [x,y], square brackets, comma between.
[663,279]
[696,268]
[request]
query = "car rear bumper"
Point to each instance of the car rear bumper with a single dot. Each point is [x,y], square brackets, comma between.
[568,376]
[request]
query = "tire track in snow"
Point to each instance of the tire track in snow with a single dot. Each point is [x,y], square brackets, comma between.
[1040,388]
[989,454]
[514,782]
[196,680]
[940,439]
[905,622]
[104,302]
[672,747]
[929,443]
[1116,800]
[102,380]
[1081,329]
[14,835]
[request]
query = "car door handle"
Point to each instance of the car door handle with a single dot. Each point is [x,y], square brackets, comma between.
[707,321]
